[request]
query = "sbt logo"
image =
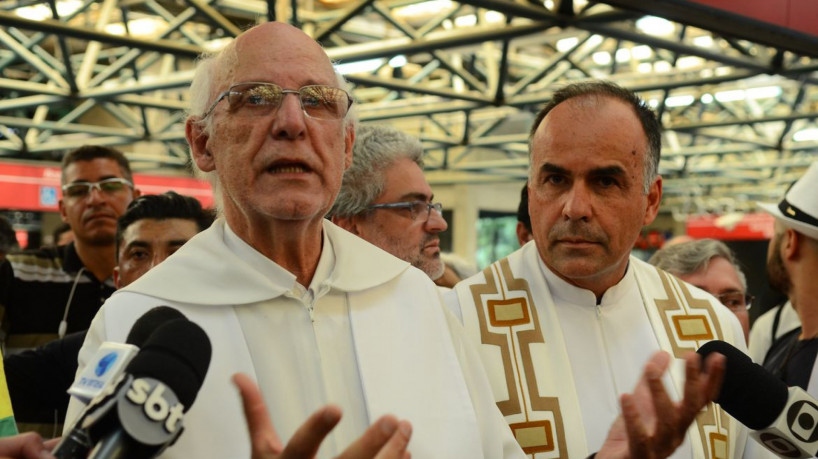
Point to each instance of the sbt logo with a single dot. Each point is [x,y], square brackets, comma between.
[158,402]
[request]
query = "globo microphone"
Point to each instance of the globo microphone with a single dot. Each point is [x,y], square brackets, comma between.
[784,420]
[141,414]
[111,358]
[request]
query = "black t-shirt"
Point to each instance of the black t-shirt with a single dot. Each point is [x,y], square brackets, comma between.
[791,359]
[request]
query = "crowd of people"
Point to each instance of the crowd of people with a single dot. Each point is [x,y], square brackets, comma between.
[316,285]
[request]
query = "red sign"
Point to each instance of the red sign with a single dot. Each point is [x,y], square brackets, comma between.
[731,227]
[33,187]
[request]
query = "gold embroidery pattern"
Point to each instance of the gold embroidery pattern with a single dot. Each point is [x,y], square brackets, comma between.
[507,315]
[687,323]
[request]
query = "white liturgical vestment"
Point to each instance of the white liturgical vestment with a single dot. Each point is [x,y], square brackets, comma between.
[369,334]
[558,360]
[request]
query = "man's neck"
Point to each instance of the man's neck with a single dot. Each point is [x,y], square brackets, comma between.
[804,297]
[293,245]
[98,260]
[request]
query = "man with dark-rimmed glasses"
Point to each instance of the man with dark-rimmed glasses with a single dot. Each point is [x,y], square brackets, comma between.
[46,293]
[385,199]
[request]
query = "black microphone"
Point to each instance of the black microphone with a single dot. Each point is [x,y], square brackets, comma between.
[110,359]
[140,414]
[784,420]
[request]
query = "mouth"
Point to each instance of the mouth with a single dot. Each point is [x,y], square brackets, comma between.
[98,216]
[288,168]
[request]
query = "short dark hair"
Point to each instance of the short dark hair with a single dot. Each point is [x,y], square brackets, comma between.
[162,207]
[650,123]
[92,152]
[522,210]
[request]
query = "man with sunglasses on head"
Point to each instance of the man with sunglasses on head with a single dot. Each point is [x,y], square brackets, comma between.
[385,199]
[48,292]
[710,265]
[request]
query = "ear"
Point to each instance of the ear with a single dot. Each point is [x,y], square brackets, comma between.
[349,142]
[791,245]
[347,223]
[654,198]
[197,139]
[63,215]
[116,278]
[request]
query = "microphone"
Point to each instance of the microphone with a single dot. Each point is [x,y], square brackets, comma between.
[110,359]
[784,420]
[140,413]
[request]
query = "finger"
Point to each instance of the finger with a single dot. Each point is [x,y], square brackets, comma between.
[666,432]
[307,439]
[638,440]
[396,447]
[26,445]
[373,440]
[263,436]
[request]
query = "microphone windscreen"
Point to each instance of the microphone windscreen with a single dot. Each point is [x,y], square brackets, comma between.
[751,394]
[150,321]
[178,354]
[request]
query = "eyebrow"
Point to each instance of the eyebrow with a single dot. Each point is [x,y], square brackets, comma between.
[609,171]
[416,197]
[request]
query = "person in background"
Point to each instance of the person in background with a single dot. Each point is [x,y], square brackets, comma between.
[792,267]
[8,239]
[770,326]
[710,265]
[151,229]
[456,269]
[386,200]
[564,325]
[49,292]
[62,234]
[524,233]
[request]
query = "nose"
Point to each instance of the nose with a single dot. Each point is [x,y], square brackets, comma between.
[435,223]
[289,120]
[95,195]
[578,203]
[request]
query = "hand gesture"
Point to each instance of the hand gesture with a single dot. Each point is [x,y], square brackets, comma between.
[387,438]
[639,432]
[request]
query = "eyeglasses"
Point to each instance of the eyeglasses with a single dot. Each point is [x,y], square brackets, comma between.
[256,98]
[736,300]
[108,186]
[416,208]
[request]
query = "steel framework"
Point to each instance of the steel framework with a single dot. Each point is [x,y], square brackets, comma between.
[737,98]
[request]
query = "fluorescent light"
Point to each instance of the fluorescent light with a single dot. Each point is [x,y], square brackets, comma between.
[40,12]
[397,61]
[623,55]
[689,62]
[142,27]
[468,20]
[641,52]
[662,67]
[704,41]
[805,135]
[365,66]
[601,58]
[679,101]
[656,26]
[644,67]
[765,92]
[566,44]
[423,8]
[707,98]
[730,96]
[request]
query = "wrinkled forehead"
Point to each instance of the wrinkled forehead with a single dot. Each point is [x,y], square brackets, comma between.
[281,53]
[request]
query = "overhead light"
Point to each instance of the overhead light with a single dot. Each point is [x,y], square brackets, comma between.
[397,61]
[641,52]
[679,101]
[765,92]
[662,66]
[40,12]
[468,20]
[704,41]
[707,98]
[689,62]
[142,27]
[644,67]
[601,58]
[566,44]
[730,96]
[655,26]
[623,55]
[365,66]
[806,135]
[423,8]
